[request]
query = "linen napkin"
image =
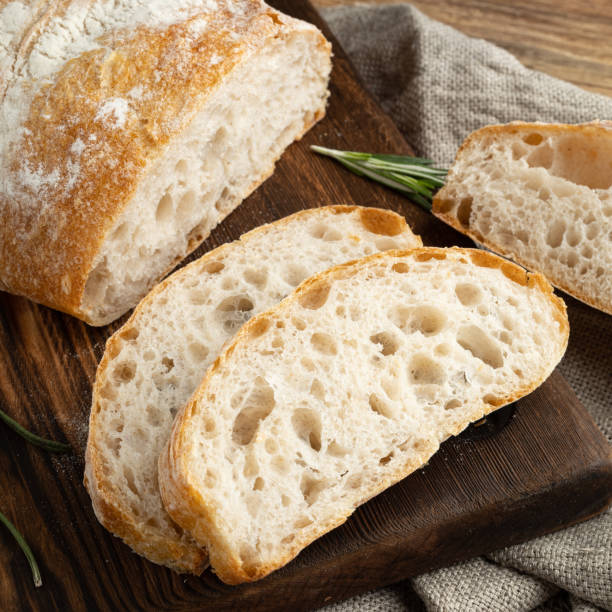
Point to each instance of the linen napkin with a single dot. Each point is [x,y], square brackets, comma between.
[439,85]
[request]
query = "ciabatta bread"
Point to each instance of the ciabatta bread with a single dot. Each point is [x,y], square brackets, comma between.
[541,195]
[346,387]
[153,364]
[129,129]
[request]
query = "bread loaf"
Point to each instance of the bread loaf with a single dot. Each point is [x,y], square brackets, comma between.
[344,388]
[541,195]
[129,129]
[152,365]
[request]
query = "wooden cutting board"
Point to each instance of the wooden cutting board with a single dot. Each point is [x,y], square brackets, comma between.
[527,471]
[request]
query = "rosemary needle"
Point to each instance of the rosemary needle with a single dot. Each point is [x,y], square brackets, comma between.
[50,445]
[414,176]
[27,551]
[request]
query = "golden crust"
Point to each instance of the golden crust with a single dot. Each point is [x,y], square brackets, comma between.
[183,500]
[592,129]
[110,507]
[52,230]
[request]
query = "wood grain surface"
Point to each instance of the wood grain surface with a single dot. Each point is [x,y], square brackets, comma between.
[568,39]
[531,472]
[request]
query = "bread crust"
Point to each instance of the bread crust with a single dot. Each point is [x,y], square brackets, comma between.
[592,130]
[182,498]
[110,508]
[55,222]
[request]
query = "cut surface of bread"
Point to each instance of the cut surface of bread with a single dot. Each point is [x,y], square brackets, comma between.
[129,129]
[152,365]
[346,387]
[540,194]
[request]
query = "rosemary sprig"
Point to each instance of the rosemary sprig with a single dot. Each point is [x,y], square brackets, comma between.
[414,176]
[49,445]
[27,551]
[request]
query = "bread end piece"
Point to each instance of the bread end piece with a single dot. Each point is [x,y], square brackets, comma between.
[541,195]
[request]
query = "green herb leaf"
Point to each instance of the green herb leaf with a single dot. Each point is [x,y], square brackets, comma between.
[413,176]
[25,548]
[50,445]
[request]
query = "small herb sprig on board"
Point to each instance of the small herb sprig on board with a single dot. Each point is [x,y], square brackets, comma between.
[413,176]
[48,445]
[26,549]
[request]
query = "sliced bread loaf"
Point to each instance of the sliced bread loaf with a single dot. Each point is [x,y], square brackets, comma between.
[541,195]
[153,364]
[344,388]
[129,129]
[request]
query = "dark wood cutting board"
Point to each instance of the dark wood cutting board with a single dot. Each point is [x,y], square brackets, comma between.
[527,471]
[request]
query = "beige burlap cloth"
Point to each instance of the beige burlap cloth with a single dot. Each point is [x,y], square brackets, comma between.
[439,85]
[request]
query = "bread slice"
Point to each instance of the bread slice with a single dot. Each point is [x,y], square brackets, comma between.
[541,195]
[153,364]
[346,387]
[129,129]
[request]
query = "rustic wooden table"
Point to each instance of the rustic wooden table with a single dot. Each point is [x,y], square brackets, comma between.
[568,39]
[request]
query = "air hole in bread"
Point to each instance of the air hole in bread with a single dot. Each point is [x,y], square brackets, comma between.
[271,445]
[324,232]
[542,157]
[129,479]
[317,390]
[492,400]
[381,222]
[294,274]
[210,479]
[278,342]
[385,243]
[114,444]
[587,251]
[186,205]
[315,296]
[384,460]
[251,467]
[154,415]
[257,278]
[573,236]
[572,259]
[380,406]
[124,372]
[354,481]
[256,408]
[197,351]
[302,522]
[311,488]
[519,150]
[323,343]
[481,345]
[400,267]
[427,319]
[445,205]
[259,327]
[248,556]
[468,294]
[392,387]
[423,370]
[554,237]
[285,501]
[258,485]
[443,350]
[387,342]
[464,211]
[214,267]
[165,209]
[182,167]
[505,337]
[307,426]
[298,323]
[288,539]
[452,404]
[234,311]
[121,232]
[533,138]
[592,231]
[337,450]
[280,464]
[599,272]
[168,363]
